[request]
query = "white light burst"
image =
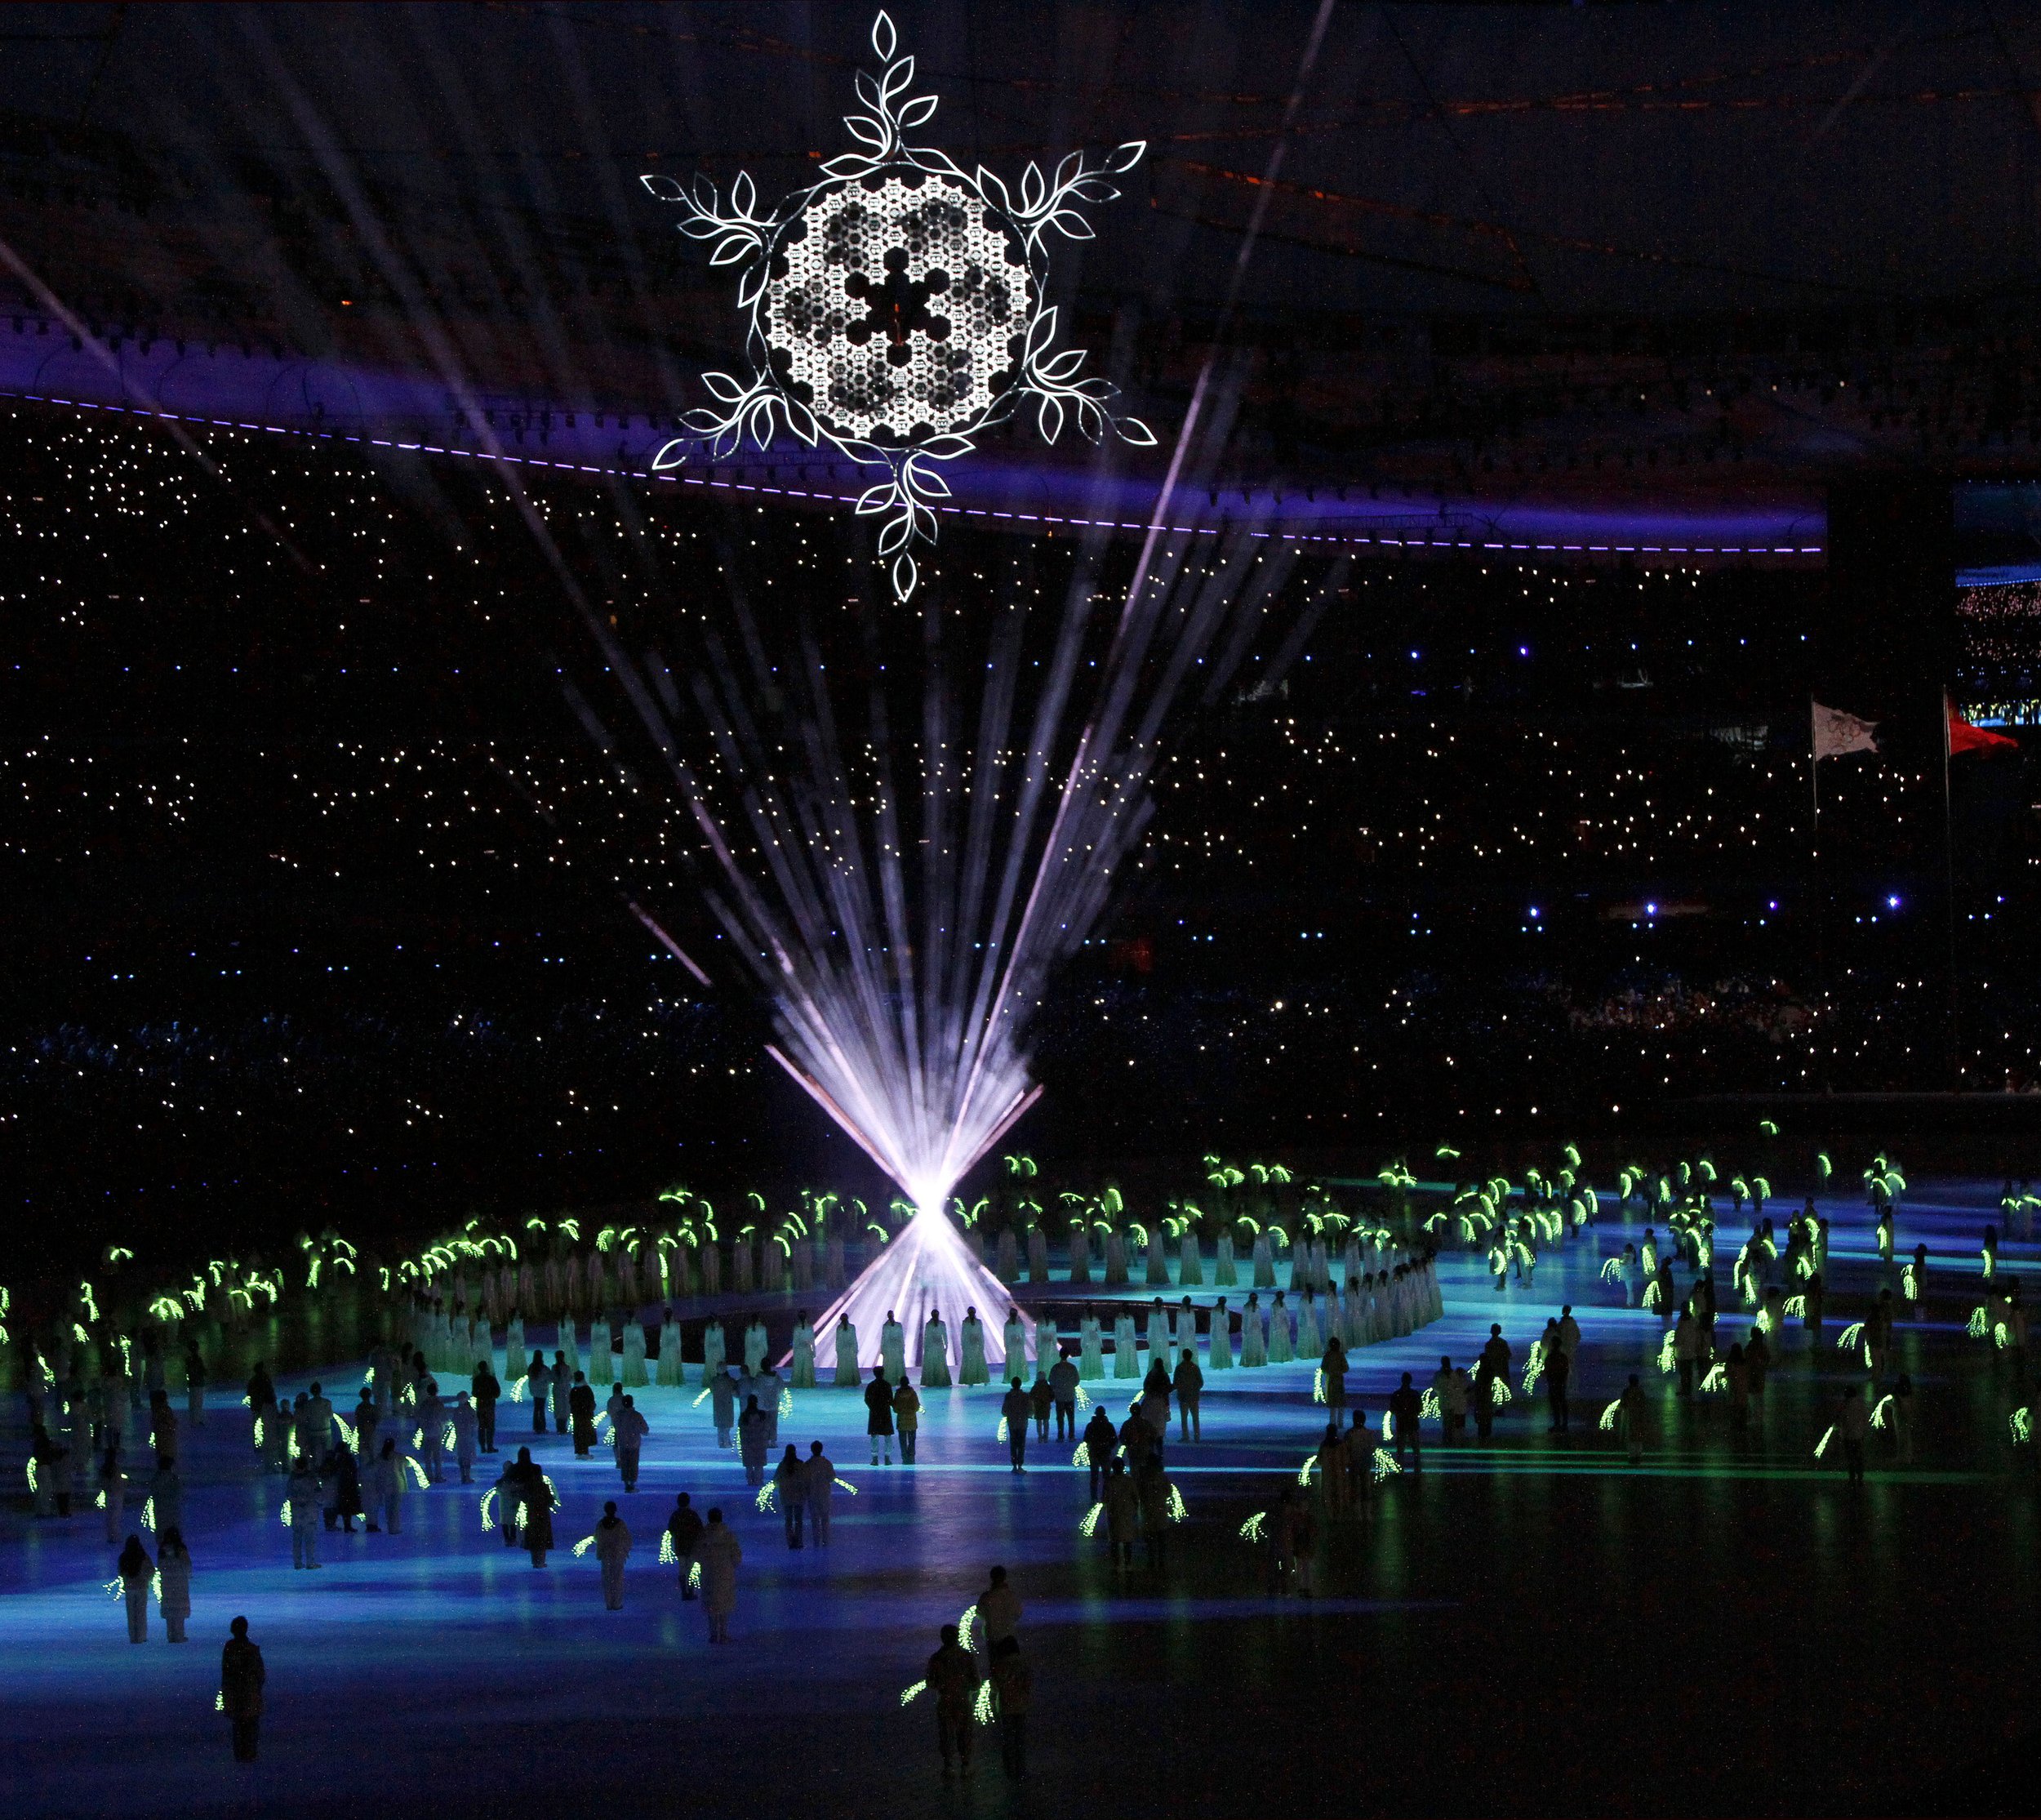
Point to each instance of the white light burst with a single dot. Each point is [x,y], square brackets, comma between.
[925,1270]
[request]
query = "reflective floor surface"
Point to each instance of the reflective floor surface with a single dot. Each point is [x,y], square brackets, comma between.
[1527,1627]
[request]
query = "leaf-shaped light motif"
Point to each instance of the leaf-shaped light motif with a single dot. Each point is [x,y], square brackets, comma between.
[896,307]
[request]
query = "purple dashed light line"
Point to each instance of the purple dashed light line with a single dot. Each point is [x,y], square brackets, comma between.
[1339,539]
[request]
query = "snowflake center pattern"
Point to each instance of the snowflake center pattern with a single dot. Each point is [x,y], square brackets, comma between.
[895,306]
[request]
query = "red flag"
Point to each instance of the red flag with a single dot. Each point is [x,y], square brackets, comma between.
[1963,737]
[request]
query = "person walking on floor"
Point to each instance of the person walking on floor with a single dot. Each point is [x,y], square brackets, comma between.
[137,1570]
[1853,1427]
[630,1428]
[1444,1392]
[562,1386]
[1491,1370]
[431,1429]
[821,1489]
[52,1473]
[1757,1365]
[315,1423]
[752,1430]
[1099,1440]
[952,1679]
[1154,1405]
[722,1404]
[683,1530]
[879,1415]
[1123,1514]
[166,1493]
[1135,1436]
[261,1389]
[386,1490]
[998,1608]
[1686,1350]
[308,1513]
[612,1549]
[1152,1488]
[1559,1373]
[1903,1419]
[466,1425]
[1012,1690]
[1304,1542]
[1016,1409]
[242,1675]
[539,1381]
[537,1498]
[720,1554]
[907,1418]
[765,1384]
[1290,1542]
[1332,1373]
[173,1583]
[1189,1382]
[790,1487]
[1063,1390]
[112,1494]
[487,1389]
[509,1490]
[1362,1445]
[580,1408]
[162,1422]
[342,1482]
[1632,1417]
[194,1385]
[1406,1408]
[1569,1333]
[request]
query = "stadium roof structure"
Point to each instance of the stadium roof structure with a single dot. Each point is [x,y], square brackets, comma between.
[1635,277]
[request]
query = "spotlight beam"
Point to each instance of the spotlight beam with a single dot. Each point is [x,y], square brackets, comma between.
[904,900]
[818,860]
[816,1091]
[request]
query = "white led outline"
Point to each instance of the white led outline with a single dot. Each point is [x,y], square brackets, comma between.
[819,384]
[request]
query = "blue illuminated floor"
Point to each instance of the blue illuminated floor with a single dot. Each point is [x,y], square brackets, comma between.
[1723,1600]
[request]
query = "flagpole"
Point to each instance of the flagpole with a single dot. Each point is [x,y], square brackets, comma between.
[1814,766]
[1814,878]
[1949,892]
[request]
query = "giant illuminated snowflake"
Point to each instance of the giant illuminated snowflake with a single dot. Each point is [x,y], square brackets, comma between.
[896,307]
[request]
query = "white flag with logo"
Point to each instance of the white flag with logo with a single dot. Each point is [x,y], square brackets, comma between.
[1836,732]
